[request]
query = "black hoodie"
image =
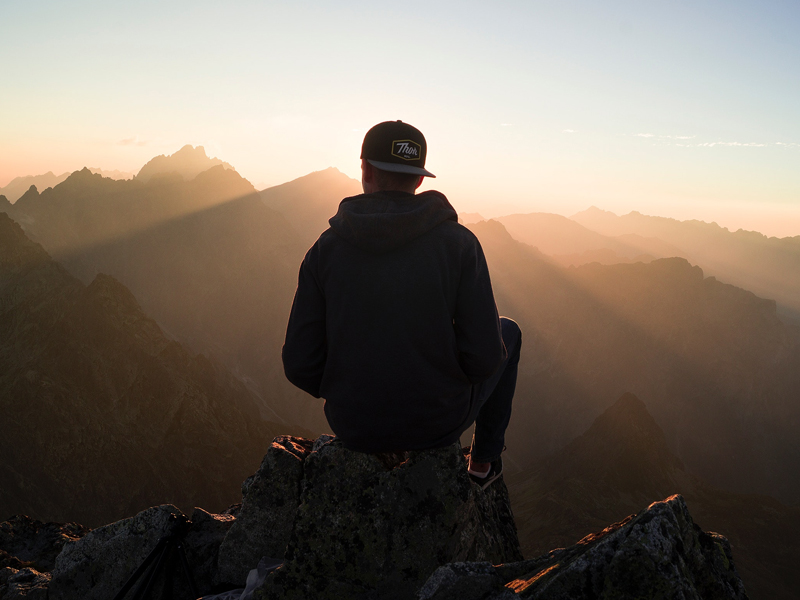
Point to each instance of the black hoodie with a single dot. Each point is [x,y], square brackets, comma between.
[393,322]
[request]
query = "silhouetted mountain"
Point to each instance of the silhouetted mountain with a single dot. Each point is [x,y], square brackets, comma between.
[214,266]
[115,174]
[19,185]
[570,243]
[719,369]
[470,217]
[103,415]
[308,202]
[765,265]
[621,463]
[188,162]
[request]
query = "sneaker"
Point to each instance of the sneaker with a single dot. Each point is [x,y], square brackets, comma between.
[495,471]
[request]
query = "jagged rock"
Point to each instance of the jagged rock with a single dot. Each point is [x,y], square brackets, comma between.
[99,564]
[23,583]
[269,503]
[37,543]
[376,526]
[658,554]
[202,545]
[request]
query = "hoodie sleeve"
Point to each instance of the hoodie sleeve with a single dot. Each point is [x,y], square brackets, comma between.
[477,324]
[305,349]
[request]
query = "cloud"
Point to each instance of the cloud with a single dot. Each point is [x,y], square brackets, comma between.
[673,140]
[748,144]
[506,125]
[134,141]
[568,131]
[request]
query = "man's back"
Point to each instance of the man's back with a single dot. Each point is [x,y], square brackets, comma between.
[393,322]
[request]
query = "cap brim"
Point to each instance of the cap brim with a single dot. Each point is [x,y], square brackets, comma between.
[395,168]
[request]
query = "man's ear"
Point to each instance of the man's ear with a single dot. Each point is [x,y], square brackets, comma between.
[367,172]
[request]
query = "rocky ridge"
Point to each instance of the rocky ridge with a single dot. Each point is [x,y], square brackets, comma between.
[398,526]
[104,414]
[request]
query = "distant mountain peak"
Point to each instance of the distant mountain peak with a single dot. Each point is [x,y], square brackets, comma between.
[594,211]
[30,194]
[188,162]
[624,447]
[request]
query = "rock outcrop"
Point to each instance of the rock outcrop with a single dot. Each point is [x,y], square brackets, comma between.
[376,526]
[658,554]
[373,527]
[99,564]
[28,549]
[35,543]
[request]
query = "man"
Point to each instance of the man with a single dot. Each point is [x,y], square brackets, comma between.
[394,322]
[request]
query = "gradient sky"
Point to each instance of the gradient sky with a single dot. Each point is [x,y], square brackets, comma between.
[681,109]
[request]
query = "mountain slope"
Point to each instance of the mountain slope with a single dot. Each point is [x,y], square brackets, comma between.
[206,258]
[308,202]
[103,415]
[622,464]
[570,243]
[719,368]
[768,266]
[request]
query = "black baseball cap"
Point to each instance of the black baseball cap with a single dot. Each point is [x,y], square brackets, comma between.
[396,146]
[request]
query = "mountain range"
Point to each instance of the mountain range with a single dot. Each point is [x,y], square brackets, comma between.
[213,265]
[103,414]
[19,185]
[622,463]
[714,364]
[214,262]
[767,266]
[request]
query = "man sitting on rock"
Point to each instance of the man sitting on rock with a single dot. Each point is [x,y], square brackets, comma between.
[394,322]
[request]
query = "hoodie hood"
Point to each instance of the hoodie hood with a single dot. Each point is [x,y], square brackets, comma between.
[384,221]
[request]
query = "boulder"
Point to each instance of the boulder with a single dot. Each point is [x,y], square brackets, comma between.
[377,525]
[37,543]
[658,554]
[98,565]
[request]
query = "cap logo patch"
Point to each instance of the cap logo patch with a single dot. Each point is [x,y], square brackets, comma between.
[406,149]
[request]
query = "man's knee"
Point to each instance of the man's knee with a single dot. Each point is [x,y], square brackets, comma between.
[512,334]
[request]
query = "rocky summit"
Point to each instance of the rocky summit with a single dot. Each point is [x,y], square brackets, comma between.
[343,524]
[376,526]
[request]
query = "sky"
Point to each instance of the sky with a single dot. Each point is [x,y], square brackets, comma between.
[679,109]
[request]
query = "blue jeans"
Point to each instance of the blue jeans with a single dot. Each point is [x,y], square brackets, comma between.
[492,399]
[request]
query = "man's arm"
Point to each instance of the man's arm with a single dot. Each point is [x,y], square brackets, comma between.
[477,324]
[305,349]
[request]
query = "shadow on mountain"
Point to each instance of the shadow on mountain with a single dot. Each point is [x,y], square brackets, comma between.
[103,414]
[719,369]
[621,463]
[206,258]
[570,243]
